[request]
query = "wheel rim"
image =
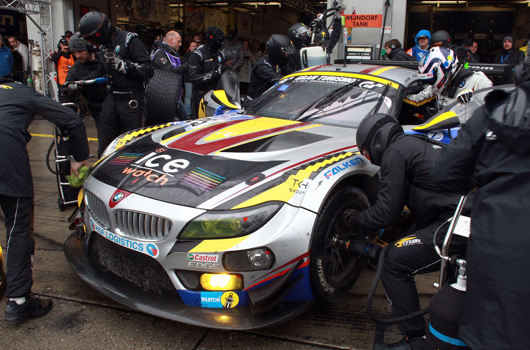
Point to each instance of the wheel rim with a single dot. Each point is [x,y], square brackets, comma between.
[338,262]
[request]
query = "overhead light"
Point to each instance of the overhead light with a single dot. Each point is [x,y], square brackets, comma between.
[175,5]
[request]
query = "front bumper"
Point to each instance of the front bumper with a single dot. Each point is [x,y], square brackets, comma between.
[170,305]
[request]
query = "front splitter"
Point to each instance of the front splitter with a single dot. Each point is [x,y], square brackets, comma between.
[172,307]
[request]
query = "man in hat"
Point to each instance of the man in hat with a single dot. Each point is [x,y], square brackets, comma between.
[63,60]
[510,56]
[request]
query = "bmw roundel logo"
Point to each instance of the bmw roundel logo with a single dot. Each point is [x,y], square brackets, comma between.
[117,197]
[152,250]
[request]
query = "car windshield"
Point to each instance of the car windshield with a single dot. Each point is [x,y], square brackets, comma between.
[330,100]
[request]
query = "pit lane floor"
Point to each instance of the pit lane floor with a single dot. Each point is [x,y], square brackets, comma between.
[84,319]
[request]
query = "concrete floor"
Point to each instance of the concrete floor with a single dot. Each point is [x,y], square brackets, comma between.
[85,319]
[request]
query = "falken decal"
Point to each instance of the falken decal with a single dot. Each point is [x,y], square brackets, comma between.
[149,249]
[343,166]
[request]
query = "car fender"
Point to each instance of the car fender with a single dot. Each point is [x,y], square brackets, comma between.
[317,190]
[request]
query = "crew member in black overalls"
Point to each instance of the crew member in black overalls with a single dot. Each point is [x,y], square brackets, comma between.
[19,105]
[270,69]
[87,67]
[168,58]
[205,67]
[129,67]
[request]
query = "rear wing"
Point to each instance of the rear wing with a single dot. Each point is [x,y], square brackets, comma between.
[490,69]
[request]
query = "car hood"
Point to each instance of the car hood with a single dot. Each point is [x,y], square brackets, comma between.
[221,162]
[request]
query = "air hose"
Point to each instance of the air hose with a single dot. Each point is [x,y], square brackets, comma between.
[371,293]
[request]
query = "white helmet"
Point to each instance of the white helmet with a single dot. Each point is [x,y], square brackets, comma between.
[437,66]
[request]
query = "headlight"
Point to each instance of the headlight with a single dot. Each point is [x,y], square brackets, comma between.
[232,223]
[248,260]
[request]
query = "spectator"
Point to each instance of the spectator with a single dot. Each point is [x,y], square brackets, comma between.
[492,153]
[463,52]
[265,74]
[256,50]
[205,67]
[422,41]
[198,38]
[67,35]
[395,53]
[524,48]
[87,67]
[6,60]
[63,60]
[128,64]
[233,46]
[245,73]
[474,52]
[157,43]
[18,106]
[469,44]
[21,49]
[188,86]
[510,56]
[167,58]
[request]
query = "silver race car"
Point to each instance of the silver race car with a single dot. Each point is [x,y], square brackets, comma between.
[227,221]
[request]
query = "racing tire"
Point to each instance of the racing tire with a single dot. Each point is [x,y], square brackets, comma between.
[162,94]
[334,270]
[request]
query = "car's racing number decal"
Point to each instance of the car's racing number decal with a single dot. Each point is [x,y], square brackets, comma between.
[150,249]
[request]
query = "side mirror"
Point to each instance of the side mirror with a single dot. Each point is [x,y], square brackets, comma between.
[221,98]
[445,120]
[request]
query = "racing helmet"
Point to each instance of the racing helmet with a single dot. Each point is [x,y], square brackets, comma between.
[214,38]
[441,36]
[375,133]
[279,47]
[437,66]
[96,27]
[300,35]
[80,44]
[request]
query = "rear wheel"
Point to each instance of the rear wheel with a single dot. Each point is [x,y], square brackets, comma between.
[334,270]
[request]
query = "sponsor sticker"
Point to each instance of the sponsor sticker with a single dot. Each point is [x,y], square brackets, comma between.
[211,299]
[203,257]
[343,166]
[229,299]
[150,249]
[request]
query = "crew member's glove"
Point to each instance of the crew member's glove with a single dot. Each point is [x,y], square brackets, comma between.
[465,97]
[347,217]
[118,65]
[75,181]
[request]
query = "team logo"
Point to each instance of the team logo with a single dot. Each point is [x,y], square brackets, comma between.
[117,197]
[152,250]
[203,257]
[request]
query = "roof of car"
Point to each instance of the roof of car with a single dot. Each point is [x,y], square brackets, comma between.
[398,74]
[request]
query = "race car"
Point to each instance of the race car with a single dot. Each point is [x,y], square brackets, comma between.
[227,222]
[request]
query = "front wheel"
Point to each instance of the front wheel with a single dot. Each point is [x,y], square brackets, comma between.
[334,270]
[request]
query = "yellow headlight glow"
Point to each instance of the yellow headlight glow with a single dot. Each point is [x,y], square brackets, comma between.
[221,282]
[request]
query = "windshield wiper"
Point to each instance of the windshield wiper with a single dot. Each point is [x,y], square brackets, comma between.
[326,100]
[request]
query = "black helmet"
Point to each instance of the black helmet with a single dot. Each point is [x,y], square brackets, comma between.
[300,35]
[279,47]
[95,26]
[441,36]
[214,38]
[80,44]
[375,133]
